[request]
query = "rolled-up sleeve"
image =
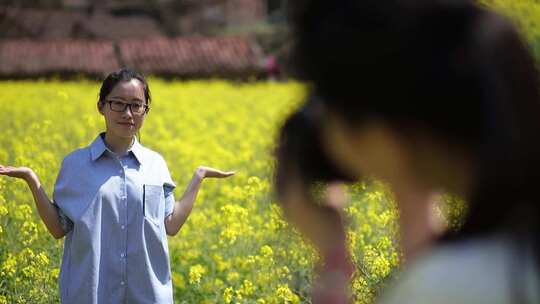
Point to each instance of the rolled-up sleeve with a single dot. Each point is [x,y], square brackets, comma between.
[168,189]
[59,188]
[65,222]
[169,199]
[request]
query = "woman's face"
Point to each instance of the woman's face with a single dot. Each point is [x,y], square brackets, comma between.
[414,168]
[124,124]
[406,160]
[371,149]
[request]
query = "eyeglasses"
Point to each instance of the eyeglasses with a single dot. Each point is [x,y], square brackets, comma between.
[136,108]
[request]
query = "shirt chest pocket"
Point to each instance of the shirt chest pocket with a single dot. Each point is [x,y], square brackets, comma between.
[154,203]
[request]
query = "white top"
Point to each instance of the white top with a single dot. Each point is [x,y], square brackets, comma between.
[476,271]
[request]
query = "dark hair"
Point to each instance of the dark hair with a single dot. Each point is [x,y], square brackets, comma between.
[124,74]
[452,68]
[300,148]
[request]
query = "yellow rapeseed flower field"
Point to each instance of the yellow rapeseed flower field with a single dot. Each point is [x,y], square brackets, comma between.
[236,246]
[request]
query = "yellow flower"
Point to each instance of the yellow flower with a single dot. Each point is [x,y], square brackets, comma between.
[228,295]
[55,273]
[3,209]
[267,251]
[9,266]
[233,276]
[42,259]
[195,274]
[286,295]
[247,287]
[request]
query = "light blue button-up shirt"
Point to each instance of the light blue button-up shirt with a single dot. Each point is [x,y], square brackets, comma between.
[113,209]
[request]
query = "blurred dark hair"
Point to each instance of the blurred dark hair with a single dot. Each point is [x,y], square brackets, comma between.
[300,149]
[124,74]
[452,68]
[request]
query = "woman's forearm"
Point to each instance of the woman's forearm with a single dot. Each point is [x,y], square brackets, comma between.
[183,207]
[47,211]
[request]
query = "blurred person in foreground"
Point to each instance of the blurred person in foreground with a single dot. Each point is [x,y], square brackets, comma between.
[427,96]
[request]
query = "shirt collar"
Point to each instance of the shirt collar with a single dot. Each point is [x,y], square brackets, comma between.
[98,147]
[137,150]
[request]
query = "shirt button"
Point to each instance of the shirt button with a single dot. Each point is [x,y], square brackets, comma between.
[122,255]
[122,283]
[123,227]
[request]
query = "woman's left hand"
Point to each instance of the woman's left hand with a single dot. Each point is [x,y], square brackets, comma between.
[204,172]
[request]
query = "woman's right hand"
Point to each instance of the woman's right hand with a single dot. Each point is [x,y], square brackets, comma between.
[17,172]
[322,223]
[46,209]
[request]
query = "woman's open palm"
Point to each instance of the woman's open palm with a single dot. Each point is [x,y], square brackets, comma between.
[17,172]
[211,172]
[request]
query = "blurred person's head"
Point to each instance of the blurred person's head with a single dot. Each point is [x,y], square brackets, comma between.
[426,95]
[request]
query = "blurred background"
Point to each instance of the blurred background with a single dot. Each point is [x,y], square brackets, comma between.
[180,38]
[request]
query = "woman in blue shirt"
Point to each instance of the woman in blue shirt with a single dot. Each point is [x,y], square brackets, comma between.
[114,202]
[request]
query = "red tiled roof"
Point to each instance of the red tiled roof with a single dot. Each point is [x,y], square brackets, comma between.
[193,56]
[33,58]
[184,57]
